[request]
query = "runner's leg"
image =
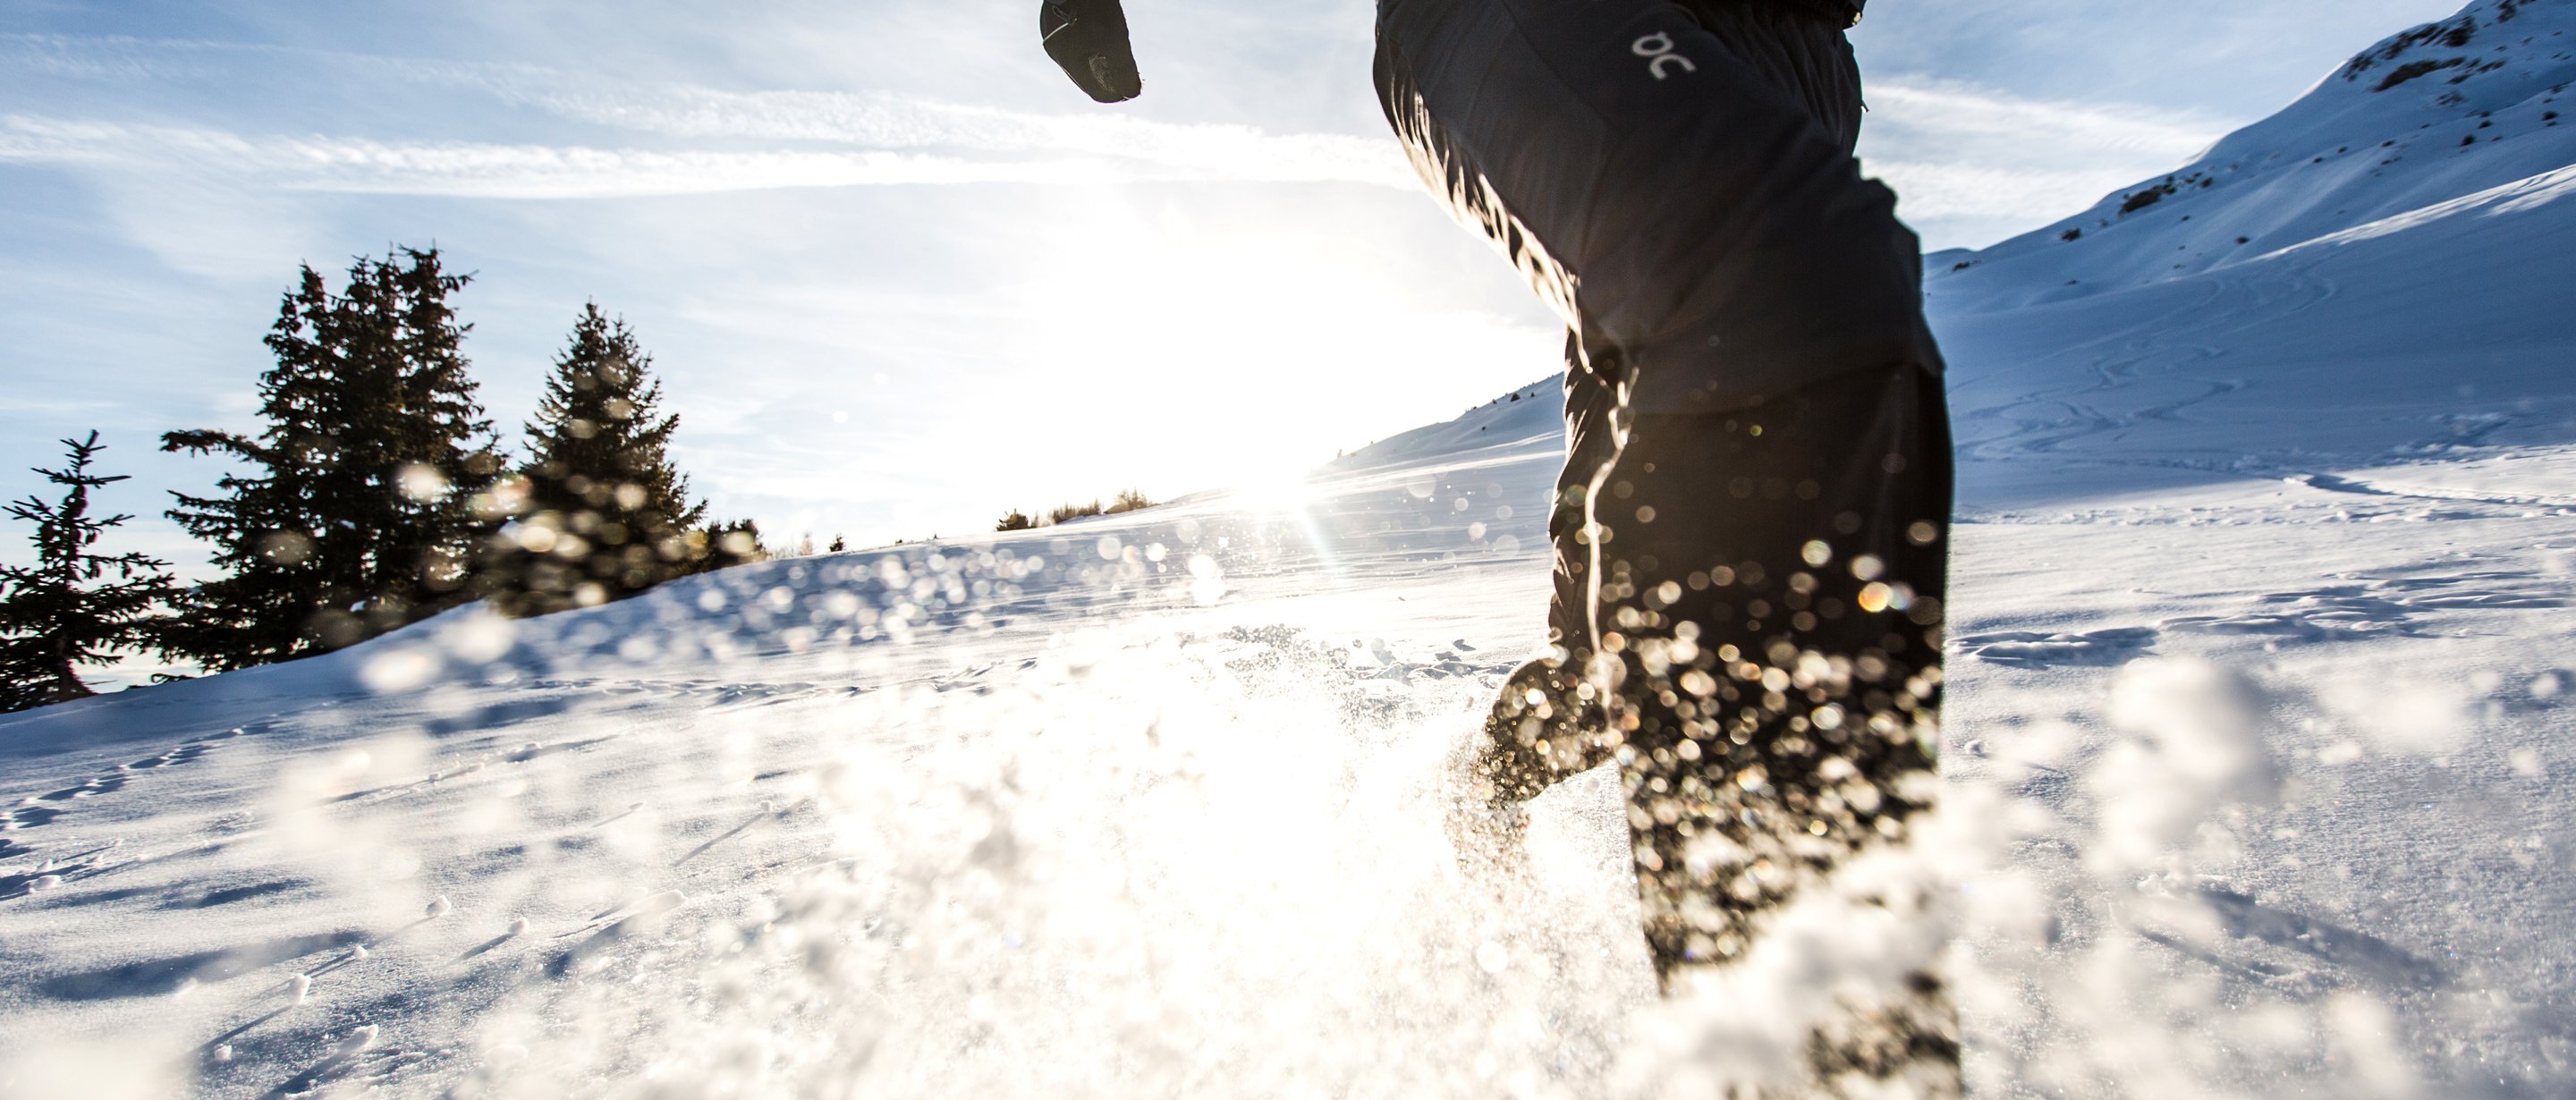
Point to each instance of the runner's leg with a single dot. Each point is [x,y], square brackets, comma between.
[1753,308]
[1540,737]
[1773,594]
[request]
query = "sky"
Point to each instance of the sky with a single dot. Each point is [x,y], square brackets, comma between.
[897,275]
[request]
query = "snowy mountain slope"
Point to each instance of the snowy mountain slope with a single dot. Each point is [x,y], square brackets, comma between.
[1150,804]
[2437,113]
[2402,298]
[1528,418]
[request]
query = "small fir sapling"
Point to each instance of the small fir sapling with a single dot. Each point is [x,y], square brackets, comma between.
[74,607]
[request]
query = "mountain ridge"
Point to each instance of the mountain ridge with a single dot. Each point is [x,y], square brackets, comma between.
[2428,115]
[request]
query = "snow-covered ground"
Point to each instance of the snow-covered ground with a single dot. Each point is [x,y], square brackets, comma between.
[2258,744]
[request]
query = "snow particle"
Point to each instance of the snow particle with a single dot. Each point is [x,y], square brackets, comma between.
[481,638]
[1207,580]
[2424,719]
[1492,959]
[2526,763]
[2195,743]
[2364,1033]
[400,670]
[518,927]
[299,987]
[359,1039]
[224,1053]
[437,907]
[421,482]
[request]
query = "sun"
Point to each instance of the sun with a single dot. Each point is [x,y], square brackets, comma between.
[1282,490]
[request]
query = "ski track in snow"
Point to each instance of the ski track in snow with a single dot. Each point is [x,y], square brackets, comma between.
[1150,804]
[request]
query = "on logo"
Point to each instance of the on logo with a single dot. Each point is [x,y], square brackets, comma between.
[1657,49]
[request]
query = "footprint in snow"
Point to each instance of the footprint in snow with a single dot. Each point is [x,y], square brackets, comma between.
[2278,626]
[105,784]
[756,695]
[2039,649]
[229,894]
[2349,952]
[355,1061]
[53,873]
[28,817]
[641,917]
[181,755]
[2383,606]
[19,886]
[2351,949]
[159,977]
[31,812]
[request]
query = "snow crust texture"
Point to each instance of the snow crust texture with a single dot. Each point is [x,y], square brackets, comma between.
[2255,767]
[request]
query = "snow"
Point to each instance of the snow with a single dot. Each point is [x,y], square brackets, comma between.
[2257,742]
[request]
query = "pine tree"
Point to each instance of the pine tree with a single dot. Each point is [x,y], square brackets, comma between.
[361,514]
[725,545]
[64,612]
[606,514]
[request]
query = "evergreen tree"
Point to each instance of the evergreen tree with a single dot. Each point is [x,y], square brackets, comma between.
[725,545]
[361,513]
[65,612]
[606,514]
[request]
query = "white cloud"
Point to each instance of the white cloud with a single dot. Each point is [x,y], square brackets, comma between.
[1963,190]
[1973,164]
[1969,160]
[1953,110]
[689,139]
[488,170]
[886,120]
